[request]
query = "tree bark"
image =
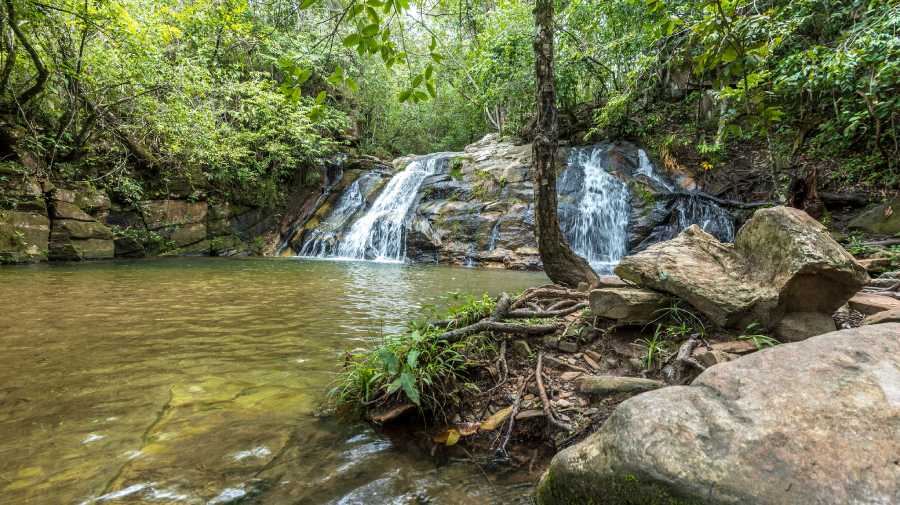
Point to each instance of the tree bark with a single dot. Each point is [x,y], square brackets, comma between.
[43,73]
[561,264]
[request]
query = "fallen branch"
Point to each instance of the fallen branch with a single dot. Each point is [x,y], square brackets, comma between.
[545,402]
[524,329]
[524,314]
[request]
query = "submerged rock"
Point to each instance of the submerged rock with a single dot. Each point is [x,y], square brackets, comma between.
[811,422]
[781,262]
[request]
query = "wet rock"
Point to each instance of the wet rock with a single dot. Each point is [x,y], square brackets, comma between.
[23,237]
[517,228]
[809,422]
[73,240]
[887,316]
[20,193]
[129,247]
[782,261]
[597,385]
[869,304]
[878,220]
[626,303]
[524,258]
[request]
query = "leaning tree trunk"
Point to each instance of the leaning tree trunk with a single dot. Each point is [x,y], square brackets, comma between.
[561,264]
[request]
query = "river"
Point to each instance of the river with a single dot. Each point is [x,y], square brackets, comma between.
[197,380]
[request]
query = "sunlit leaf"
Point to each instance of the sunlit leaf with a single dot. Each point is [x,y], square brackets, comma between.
[320,98]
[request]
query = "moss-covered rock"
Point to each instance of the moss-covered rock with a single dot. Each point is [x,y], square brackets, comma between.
[20,193]
[878,220]
[23,237]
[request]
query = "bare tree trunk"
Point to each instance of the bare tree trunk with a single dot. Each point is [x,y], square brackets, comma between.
[561,264]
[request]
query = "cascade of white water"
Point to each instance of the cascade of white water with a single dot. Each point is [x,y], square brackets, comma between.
[378,235]
[597,230]
[321,240]
[646,168]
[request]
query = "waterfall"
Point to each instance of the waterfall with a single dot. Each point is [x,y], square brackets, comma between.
[321,241]
[379,234]
[595,221]
[689,209]
[495,234]
[646,168]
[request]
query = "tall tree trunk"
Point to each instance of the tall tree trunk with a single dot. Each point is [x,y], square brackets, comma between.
[561,264]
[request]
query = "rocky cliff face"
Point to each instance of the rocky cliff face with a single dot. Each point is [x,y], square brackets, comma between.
[476,208]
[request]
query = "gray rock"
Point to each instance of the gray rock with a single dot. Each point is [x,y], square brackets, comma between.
[811,422]
[521,348]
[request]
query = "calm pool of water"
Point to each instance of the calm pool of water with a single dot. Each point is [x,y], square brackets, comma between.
[196,380]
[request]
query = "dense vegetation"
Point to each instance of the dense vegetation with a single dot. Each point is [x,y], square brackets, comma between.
[127,94]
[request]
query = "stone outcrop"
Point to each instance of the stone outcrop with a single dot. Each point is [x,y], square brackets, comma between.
[887,316]
[782,262]
[869,303]
[811,422]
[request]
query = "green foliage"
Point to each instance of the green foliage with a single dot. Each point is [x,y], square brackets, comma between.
[654,347]
[760,339]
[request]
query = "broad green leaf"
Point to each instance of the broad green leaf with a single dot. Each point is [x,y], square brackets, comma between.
[307,4]
[428,71]
[404,95]
[352,39]
[416,81]
[303,77]
[408,380]
[373,15]
[296,94]
[431,90]
[351,83]
[421,95]
[412,358]
[390,361]
[390,63]
[314,114]
[436,57]
[728,54]
[385,34]
[321,98]
[370,30]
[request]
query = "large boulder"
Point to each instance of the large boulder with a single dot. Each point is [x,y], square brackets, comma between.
[782,261]
[878,219]
[810,422]
[626,303]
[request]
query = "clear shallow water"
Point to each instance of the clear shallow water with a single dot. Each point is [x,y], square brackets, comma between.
[195,380]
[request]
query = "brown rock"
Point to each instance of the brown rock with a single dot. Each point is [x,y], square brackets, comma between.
[797,326]
[598,385]
[872,304]
[611,281]
[570,376]
[626,304]
[591,354]
[876,265]
[887,316]
[521,348]
[782,261]
[710,358]
[750,430]
[739,347]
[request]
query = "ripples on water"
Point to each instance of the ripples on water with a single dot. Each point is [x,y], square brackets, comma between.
[195,380]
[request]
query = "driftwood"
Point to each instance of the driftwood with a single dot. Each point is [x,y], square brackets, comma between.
[524,329]
[845,198]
